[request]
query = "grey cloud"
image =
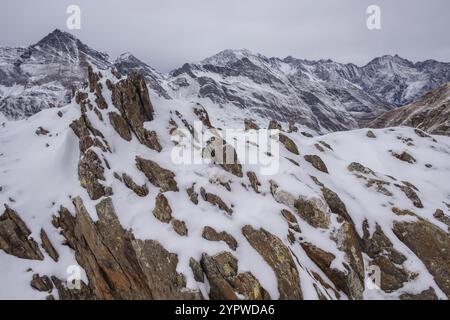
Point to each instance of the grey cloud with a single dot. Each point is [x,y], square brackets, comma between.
[168,33]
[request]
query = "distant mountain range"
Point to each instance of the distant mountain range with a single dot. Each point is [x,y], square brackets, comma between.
[430,113]
[322,95]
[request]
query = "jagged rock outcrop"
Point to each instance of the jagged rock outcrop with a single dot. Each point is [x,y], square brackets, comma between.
[316,162]
[117,265]
[130,96]
[225,281]
[158,176]
[278,256]
[215,200]
[211,234]
[431,244]
[15,237]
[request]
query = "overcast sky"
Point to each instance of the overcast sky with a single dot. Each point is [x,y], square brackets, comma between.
[168,33]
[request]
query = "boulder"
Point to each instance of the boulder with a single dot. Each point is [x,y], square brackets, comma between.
[158,176]
[431,244]
[211,234]
[279,258]
[215,200]
[15,237]
[141,191]
[316,162]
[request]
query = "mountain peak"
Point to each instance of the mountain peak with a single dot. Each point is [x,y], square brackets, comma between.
[229,56]
[57,36]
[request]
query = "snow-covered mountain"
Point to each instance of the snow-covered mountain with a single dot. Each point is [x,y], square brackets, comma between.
[323,95]
[430,113]
[45,74]
[349,215]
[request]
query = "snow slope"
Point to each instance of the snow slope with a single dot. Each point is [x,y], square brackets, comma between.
[38,174]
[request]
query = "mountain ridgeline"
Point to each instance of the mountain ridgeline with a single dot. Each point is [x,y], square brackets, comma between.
[323,95]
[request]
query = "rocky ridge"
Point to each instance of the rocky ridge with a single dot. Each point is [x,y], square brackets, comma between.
[142,227]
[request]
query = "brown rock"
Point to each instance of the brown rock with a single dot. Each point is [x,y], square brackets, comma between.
[440,215]
[290,218]
[120,125]
[404,156]
[378,244]
[197,270]
[370,134]
[41,131]
[141,191]
[193,196]
[117,265]
[314,212]
[162,210]
[392,277]
[158,176]
[316,162]
[279,258]
[250,125]
[48,247]
[179,227]
[335,203]
[254,182]
[131,97]
[90,171]
[42,284]
[273,125]
[411,194]
[224,155]
[224,279]
[288,144]
[203,116]
[431,245]
[211,234]
[428,294]
[15,237]
[215,200]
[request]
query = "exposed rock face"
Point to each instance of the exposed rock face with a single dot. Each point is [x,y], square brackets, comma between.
[15,237]
[254,182]
[131,97]
[288,144]
[215,200]
[381,250]
[431,245]
[193,196]
[277,255]
[370,134]
[224,279]
[429,294]
[48,246]
[162,211]
[411,194]
[90,171]
[158,176]
[404,156]
[117,265]
[41,283]
[316,162]
[141,191]
[250,125]
[120,125]
[224,155]
[440,215]
[314,211]
[211,234]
